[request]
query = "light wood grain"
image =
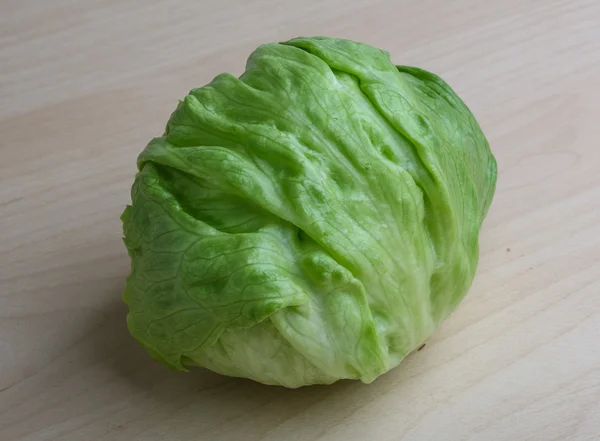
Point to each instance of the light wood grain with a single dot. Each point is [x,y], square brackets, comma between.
[84,84]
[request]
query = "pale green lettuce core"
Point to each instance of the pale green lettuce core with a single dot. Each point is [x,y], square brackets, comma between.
[313,220]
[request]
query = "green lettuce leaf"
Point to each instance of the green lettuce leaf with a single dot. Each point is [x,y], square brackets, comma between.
[313,220]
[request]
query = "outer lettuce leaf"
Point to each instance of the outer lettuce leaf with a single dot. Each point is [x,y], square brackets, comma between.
[313,220]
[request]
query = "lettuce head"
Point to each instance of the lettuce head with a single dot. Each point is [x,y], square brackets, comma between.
[313,220]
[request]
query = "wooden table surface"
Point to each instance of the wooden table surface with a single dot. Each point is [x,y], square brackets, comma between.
[84,84]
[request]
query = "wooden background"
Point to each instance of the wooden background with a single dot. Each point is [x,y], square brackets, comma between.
[84,84]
